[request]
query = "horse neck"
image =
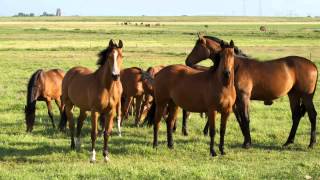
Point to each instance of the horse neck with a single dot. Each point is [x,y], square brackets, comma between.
[33,88]
[104,76]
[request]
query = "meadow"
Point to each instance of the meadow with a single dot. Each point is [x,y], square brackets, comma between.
[28,44]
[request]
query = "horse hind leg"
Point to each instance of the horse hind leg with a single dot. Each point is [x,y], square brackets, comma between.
[312,113]
[171,121]
[81,118]
[49,106]
[185,117]
[296,116]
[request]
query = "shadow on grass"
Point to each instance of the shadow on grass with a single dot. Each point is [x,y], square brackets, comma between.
[272,147]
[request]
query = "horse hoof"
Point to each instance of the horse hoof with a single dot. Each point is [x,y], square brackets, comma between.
[311,145]
[246,145]
[223,153]
[213,154]
[106,159]
[288,143]
[170,146]
[155,145]
[185,134]
[92,161]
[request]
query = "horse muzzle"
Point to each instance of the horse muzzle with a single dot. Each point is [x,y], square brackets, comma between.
[226,74]
[115,77]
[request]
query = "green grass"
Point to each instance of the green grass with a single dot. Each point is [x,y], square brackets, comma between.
[27,44]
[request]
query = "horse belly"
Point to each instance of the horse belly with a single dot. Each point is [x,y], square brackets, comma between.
[189,100]
[272,89]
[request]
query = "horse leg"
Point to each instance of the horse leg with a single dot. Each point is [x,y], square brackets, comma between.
[143,106]
[238,118]
[107,133]
[243,109]
[295,110]
[125,110]
[223,124]
[137,110]
[48,101]
[94,132]
[212,128]
[68,108]
[312,113]
[81,118]
[171,121]
[206,129]
[159,112]
[185,117]
[119,117]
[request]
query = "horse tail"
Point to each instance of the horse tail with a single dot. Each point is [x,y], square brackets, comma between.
[63,120]
[151,113]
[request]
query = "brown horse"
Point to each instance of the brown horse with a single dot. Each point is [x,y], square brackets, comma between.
[132,88]
[266,81]
[43,86]
[196,91]
[98,92]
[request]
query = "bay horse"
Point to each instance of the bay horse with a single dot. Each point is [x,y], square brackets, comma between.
[148,80]
[43,86]
[132,88]
[266,81]
[208,91]
[98,92]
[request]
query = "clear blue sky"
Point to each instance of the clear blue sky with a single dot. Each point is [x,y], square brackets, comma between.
[163,7]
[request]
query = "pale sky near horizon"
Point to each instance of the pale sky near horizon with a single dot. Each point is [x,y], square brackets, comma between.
[164,7]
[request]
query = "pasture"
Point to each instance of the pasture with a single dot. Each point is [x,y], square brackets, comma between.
[28,44]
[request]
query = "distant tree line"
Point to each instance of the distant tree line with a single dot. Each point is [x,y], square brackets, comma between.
[21,14]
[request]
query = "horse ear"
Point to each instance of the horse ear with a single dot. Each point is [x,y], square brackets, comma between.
[120,44]
[111,43]
[222,44]
[232,43]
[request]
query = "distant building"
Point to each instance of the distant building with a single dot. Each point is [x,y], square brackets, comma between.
[58,12]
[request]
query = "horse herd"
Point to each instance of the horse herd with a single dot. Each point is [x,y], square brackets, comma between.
[226,87]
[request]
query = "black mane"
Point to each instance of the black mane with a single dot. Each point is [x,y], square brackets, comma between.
[104,54]
[237,51]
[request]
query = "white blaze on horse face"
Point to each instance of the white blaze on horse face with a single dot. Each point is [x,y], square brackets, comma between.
[115,69]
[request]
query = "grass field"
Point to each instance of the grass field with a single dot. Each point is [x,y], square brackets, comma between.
[27,44]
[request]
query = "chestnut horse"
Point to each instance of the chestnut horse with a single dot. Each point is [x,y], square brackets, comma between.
[98,92]
[132,88]
[266,81]
[208,91]
[43,86]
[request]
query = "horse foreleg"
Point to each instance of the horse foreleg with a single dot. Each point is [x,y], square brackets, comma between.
[107,133]
[238,118]
[243,109]
[50,112]
[223,124]
[212,128]
[94,133]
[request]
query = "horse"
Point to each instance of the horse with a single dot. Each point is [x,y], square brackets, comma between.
[208,91]
[266,81]
[98,92]
[43,86]
[132,88]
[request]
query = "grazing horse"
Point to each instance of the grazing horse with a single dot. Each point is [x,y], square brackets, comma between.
[132,88]
[43,86]
[98,92]
[266,81]
[208,91]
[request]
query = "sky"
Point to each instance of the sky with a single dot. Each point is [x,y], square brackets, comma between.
[163,7]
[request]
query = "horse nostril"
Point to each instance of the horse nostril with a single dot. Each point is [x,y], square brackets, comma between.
[115,76]
[227,74]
